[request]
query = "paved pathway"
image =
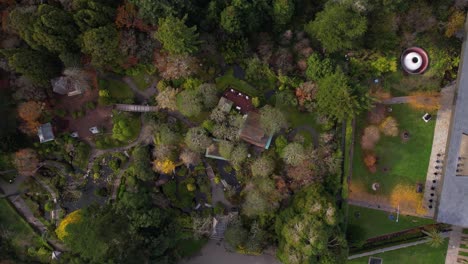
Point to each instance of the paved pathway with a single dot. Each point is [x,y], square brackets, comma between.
[454,245]
[217,192]
[439,144]
[215,253]
[396,247]
[400,99]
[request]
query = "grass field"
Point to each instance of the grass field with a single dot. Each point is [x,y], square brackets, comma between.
[407,163]
[420,254]
[118,90]
[400,84]
[21,233]
[375,223]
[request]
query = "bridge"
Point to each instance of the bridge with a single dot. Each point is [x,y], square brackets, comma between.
[136,108]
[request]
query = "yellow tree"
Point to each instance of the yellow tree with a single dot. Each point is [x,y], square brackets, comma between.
[165,166]
[73,217]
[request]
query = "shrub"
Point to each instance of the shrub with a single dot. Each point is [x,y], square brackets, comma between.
[49,206]
[377,114]
[370,160]
[73,217]
[370,137]
[389,127]
[191,187]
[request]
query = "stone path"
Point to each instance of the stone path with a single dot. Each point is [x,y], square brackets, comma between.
[454,245]
[136,108]
[396,247]
[400,99]
[439,144]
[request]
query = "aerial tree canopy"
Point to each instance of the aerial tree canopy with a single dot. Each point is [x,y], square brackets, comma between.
[36,65]
[103,45]
[89,14]
[308,230]
[176,37]
[335,98]
[338,27]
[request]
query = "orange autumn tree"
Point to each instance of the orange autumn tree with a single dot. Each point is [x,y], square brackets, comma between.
[407,199]
[165,166]
[73,217]
[426,101]
[26,161]
[30,112]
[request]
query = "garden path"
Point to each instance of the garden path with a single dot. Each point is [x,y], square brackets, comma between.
[118,180]
[141,95]
[454,245]
[310,129]
[26,213]
[217,192]
[400,246]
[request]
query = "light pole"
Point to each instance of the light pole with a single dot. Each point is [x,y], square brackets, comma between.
[398,213]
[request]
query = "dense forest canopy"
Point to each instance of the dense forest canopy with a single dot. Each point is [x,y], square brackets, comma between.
[303,66]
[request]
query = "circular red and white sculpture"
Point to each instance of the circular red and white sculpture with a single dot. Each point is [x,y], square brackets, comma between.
[414,60]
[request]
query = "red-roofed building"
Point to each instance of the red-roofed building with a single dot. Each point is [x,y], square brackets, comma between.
[242,102]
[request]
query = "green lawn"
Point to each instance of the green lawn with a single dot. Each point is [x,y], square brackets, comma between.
[373,223]
[228,80]
[22,234]
[400,85]
[143,81]
[420,254]
[118,90]
[407,162]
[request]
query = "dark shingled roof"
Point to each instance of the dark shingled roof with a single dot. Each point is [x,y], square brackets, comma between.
[252,132]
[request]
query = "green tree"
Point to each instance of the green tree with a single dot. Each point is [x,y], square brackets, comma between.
[142,164]
[259,74]
[103,45]
[89,14]
[36,65]
[197,139]
[238,155]
[283,10]
[231,20]
[54,29]
[125,127]
[308,230]
[334,97]
[262,167]
[318,68]
[22,21]
[236,234]
[272,120]
[225,149]
[151,10]
[189,102]
[176,37]
[293,154]
[337,27]
[209,91]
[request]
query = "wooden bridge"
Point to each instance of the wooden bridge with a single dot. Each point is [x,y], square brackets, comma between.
[136,108]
